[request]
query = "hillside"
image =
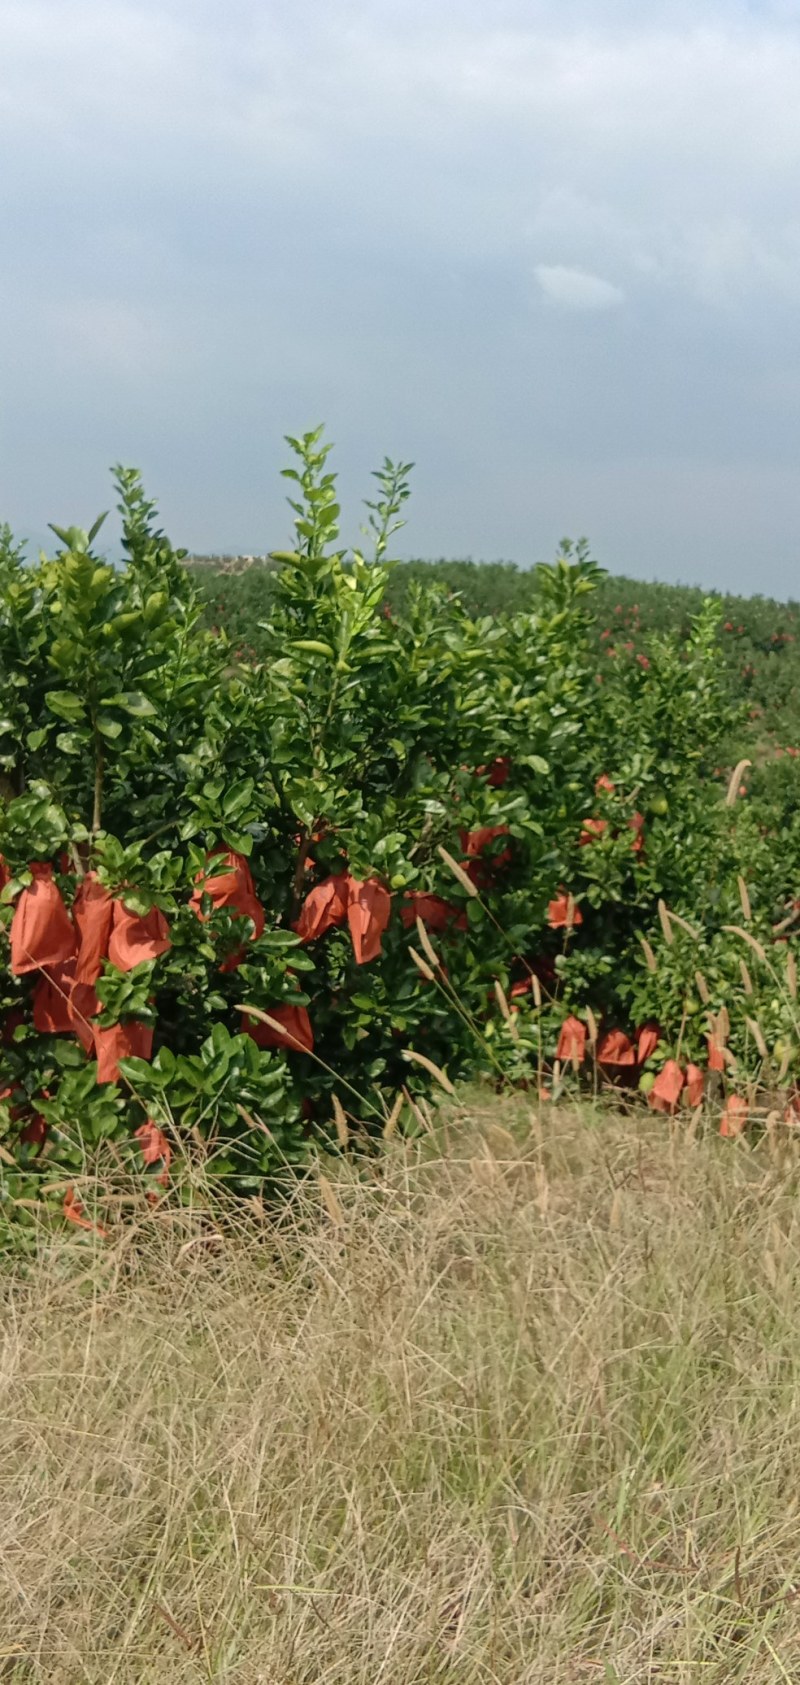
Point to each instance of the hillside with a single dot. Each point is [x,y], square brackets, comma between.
[758,635]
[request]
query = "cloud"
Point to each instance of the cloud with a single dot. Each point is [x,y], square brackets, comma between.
[576,289]
[223,223]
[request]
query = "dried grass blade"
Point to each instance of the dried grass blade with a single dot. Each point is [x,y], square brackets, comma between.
[735,781]
[390,1126]
[420,1117]
[508,1015]
[744,897]
[457,871]
[434,1070]
[755,1031]
[339,1118]
[264,1018]
[738,930]
[426,944]
[652,964]
[500,1140]
[331,1202]
[180,1632]
[666,926]
[422,965]
[253,1122]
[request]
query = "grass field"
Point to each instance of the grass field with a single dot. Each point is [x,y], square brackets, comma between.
[522,1405]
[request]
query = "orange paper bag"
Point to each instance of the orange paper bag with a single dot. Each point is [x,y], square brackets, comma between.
[42,932]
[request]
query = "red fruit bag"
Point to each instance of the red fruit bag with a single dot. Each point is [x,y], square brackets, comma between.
[368,909]
[296,1034]
[474,842]
[34,1133]
[734,1117]
[127,1040]
[636,824]
[563,915]
[83,1007]
[42,932]
[74,1213]
[136,937]
[572,1040]
[434,912]
[324,907]
[230,886]
[51,1000]
[93,911]
[694,1085]
[666,1090]
[591,830]
[716,1061]
[155,1148]
[499,771]
[646,1042]
[615,1048]
[496,772]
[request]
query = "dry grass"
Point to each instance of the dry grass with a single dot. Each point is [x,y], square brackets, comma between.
[513,1411]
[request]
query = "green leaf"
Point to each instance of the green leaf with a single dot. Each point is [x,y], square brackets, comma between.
[237,798]
[134,702]
[536,764]
[122,623]
[66,705]
[95,526]
[71,742]
[109,727]
[313,646]
[240,841]
[69,1055]
[278,940]
[66,534]
[141,1074]
[165,1062]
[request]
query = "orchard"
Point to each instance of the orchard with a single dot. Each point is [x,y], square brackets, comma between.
[257,897]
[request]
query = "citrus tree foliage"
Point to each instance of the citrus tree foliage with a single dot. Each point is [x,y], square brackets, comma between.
[189,831]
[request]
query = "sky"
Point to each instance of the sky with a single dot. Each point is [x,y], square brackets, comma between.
[549,250]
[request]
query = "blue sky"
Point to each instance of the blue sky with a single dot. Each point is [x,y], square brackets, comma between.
[549,250]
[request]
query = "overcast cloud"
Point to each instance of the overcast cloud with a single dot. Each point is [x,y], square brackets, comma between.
[550,251]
